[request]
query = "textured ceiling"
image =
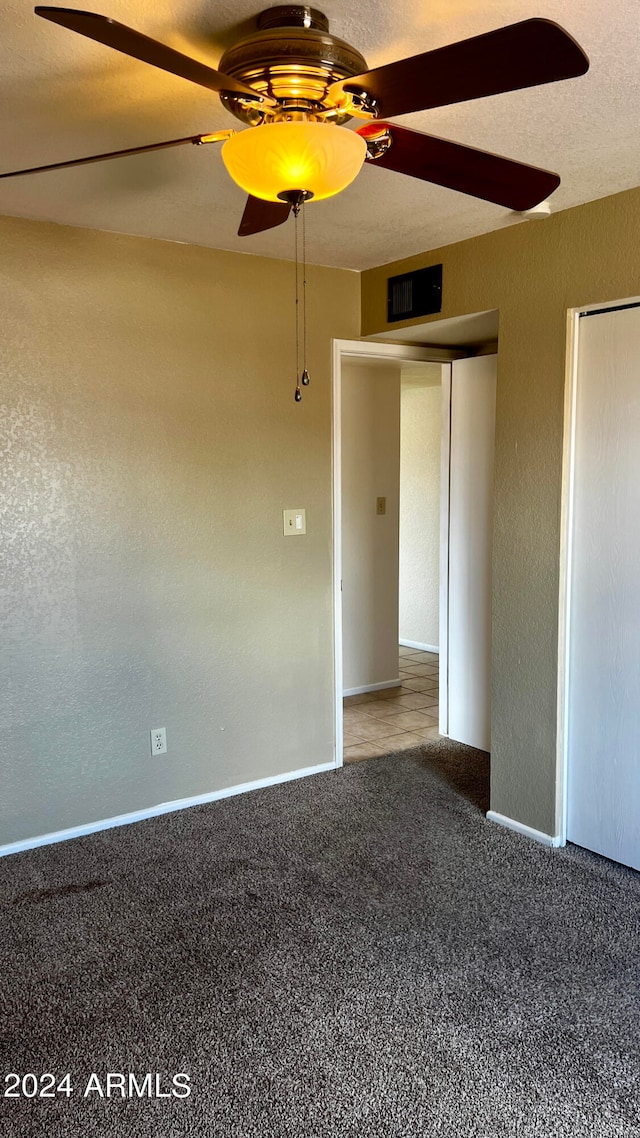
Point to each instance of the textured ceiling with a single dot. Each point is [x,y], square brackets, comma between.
[63,96]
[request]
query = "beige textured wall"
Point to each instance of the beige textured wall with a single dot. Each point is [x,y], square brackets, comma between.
[149,443]
[420,455]
[532,272]
[370,469]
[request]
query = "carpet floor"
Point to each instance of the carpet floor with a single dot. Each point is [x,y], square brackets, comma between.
[359,953]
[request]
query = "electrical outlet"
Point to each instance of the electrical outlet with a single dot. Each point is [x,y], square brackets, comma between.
[159,741]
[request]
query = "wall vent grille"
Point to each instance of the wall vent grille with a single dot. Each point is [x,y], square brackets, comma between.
[414,294]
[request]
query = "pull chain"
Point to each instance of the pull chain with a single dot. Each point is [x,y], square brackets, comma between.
[305,373]
[297,199]
[298,394]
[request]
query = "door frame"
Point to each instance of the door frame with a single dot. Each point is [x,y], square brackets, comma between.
[566,554]
[375,350]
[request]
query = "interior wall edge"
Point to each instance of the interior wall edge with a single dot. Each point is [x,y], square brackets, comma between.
[552,840]
[531,274]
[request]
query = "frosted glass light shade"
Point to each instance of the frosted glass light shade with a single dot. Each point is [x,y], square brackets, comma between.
[270,159]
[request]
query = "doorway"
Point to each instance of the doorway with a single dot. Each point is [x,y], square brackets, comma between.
[425,670]
[391,431]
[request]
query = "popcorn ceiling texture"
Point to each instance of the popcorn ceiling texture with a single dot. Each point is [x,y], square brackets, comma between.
[64,97]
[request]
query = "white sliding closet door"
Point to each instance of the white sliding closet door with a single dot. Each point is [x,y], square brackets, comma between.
[603,693]
[471,460]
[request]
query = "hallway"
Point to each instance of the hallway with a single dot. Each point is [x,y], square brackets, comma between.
[394,719]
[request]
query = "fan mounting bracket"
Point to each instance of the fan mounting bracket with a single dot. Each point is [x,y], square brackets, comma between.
[217,136]
[377,143]
[357,103]
[292,61]
[292,16]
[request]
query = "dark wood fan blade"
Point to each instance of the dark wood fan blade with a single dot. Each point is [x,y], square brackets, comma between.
[526,54]
[119,36]
[260,215]
[463,168]
[195,139]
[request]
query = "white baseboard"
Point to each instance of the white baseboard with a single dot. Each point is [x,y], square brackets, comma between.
[419,647]
[372,687]
[528,831]
[154,811]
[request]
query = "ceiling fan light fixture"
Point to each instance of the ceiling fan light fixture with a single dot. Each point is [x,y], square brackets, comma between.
[274,159]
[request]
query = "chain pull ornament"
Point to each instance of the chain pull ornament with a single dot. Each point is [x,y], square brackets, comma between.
[298,205]
[298,394]
[305,373]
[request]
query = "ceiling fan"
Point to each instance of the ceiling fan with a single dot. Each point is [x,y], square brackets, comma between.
[295,85]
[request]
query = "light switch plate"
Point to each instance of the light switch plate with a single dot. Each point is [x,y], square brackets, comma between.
[381,505]
[294,522]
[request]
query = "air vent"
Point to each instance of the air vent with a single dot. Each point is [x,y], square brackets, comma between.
[414,294]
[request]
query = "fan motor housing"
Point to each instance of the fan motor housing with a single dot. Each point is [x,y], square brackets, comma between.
[294,58]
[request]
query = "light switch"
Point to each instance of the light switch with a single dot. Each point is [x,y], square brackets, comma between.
[295,522]
[381,505]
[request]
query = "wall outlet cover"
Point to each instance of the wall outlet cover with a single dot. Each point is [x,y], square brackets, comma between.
[159,741]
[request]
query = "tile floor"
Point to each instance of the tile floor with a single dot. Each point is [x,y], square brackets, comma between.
[392,720]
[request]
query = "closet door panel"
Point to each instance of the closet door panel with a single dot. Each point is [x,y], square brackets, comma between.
[604,631]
